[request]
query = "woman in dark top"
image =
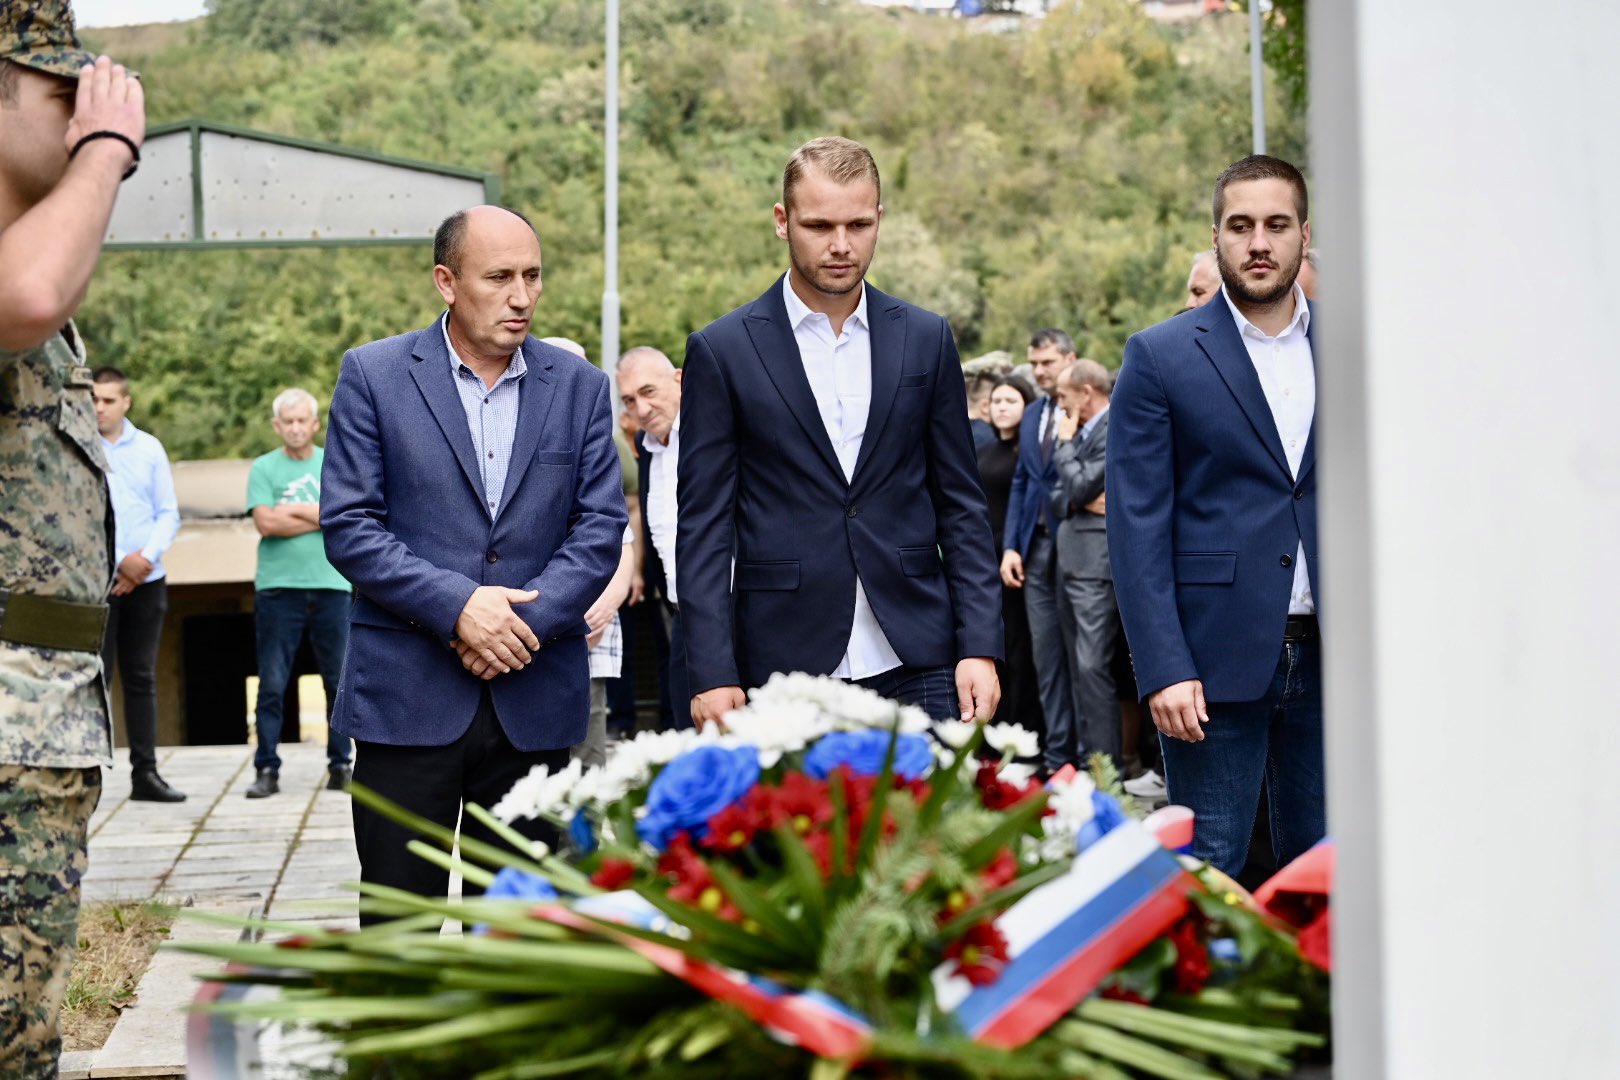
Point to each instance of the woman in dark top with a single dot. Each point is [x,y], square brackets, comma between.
[1020,703]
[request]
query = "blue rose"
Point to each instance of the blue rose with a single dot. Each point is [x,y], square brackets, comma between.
[864,751]
[1106,816]
[514,884]
[694,787]
[581,833]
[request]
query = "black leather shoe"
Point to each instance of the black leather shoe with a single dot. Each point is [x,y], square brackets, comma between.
[267,784]
[147,786]
[337,777]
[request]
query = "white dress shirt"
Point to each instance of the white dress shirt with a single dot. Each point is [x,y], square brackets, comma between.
[839,368]
[662,507]
[1288,378]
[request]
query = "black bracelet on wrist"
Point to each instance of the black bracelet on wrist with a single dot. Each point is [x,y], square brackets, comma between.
[125,139]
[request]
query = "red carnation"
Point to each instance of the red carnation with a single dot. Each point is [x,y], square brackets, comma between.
[1192,956]
[732,828]
[1002,870]
[802,802]
[1120,993]
[614,873]
[980,954]
[998,794]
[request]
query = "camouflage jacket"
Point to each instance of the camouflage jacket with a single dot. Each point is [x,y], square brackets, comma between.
[56,539]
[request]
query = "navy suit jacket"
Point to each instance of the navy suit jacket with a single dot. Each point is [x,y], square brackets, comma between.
[1204,519]
[1032,483]
[404,516]
[759,480]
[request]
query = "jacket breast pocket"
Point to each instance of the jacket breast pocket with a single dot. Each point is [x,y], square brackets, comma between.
[921,561]
[767,576]
[553,457]
[918,378]
[1206,568]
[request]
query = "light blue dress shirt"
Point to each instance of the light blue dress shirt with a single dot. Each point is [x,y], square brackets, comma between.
[145,510]
[492,415]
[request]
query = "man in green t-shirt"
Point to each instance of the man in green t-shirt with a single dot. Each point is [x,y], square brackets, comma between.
[295,589]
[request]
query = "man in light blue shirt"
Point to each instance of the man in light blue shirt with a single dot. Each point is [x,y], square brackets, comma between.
[147,516]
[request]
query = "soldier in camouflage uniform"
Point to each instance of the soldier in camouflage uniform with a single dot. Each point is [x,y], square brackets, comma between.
[70,129]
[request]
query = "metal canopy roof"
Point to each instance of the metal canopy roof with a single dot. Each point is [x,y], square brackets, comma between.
[208,185]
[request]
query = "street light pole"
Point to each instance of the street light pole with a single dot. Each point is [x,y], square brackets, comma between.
[610,202]
[1257,78]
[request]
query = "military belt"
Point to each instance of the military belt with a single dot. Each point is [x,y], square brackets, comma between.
[48,622]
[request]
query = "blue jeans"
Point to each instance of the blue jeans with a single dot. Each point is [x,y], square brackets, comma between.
[280,617]
[931,689]
[1275,741]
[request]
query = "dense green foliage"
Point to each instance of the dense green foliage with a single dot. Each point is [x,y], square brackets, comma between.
[1055,175]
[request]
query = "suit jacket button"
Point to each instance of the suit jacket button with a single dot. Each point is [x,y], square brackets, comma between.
[492,556]
[851,512]
[1299,493]
[1287,561]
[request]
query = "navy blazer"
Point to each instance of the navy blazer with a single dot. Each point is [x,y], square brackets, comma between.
[1204,519]
[759,479]
[1032,483]
[404,515]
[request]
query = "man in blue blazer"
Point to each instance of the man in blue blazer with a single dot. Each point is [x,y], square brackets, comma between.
[471,492]
[1212,528]
[825,451]
[1030,561]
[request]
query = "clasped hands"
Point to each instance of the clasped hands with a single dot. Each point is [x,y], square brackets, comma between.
[490,637]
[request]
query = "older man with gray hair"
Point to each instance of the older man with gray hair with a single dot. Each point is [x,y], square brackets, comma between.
[295,588]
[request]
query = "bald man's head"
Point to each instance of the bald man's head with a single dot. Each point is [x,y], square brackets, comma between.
[452,231]
[1204,281]
[487,268]
[650,388]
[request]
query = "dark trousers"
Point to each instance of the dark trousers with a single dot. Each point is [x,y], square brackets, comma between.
[931,689]
[280,619]
[1095,616]
[1275,742]
[433,781]
[134,628]
[1020,698]
[680,692]
[1051,634]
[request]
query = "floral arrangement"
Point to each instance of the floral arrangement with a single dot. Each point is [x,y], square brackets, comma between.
[831,886]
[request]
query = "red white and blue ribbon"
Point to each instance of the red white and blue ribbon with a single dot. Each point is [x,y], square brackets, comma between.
[811,1019]
[1067,936]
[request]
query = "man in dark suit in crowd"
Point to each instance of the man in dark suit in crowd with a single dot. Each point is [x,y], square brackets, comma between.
[979,387]
[1029,561]
[1082,547]
[825,450]
[1212,528]
[650,390]
[471,492]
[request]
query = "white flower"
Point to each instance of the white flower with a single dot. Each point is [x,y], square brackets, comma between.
[1014,773]
[1071,802]
[1012,739]
[956,733]
[523,800]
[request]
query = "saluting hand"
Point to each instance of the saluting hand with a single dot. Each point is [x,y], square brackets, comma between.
[109,99]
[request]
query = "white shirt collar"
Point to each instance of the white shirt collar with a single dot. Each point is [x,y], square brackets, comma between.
[656,447]
[125,434]
[798,311]
[1301,320]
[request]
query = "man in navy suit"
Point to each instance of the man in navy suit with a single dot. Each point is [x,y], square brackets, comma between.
[825,451]
[1212,528]
[1030,561]
[471,492]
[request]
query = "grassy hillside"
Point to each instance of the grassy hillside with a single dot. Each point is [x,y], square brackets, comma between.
[1054,176]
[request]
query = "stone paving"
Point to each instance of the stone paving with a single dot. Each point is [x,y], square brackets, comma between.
[285,857]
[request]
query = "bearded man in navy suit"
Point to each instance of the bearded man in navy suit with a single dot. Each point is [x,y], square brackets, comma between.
[831,516]
[1212,528]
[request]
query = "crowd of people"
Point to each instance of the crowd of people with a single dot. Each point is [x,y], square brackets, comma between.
[817,488]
